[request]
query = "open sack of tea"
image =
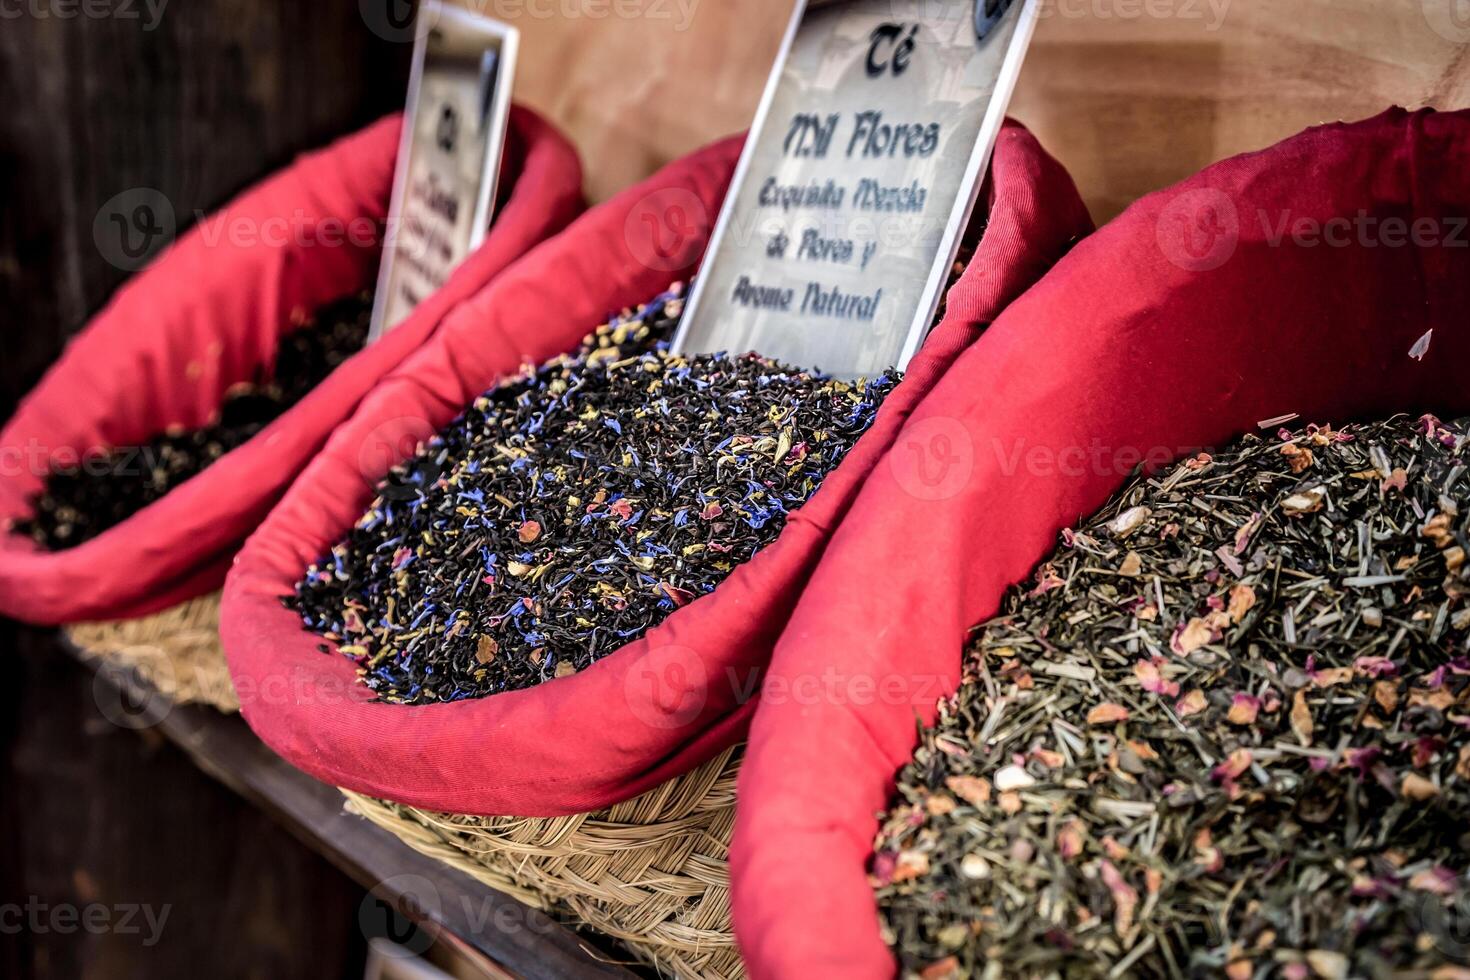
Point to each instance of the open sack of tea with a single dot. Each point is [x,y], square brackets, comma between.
[1222,727]
[181,413]
[570,592]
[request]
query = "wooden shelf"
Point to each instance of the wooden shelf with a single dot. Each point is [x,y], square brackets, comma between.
[517,940]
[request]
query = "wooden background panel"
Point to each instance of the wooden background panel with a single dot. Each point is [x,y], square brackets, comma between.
[1131,95]
[1133,105]
[648,82]
[196,103]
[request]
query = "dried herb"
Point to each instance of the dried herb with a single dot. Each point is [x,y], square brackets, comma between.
[571,509]
[1225,731]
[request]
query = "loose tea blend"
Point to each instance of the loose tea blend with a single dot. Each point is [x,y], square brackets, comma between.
[81,501]
[1226,730]
[571,509]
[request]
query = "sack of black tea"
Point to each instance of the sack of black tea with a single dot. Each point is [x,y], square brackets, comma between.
[571,509]
[181,412]
[82,499]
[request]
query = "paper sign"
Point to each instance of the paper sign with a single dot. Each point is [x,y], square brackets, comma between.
[448,162]
[846,211]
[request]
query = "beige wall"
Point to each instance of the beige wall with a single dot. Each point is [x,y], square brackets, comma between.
[1130,94]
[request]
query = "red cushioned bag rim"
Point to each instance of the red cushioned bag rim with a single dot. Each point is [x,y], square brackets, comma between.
[614,738]
[175,549]
[1180,325]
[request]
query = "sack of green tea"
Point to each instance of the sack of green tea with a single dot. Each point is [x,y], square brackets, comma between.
[569,592]
[1216,739]
[1321,280]
[181,413]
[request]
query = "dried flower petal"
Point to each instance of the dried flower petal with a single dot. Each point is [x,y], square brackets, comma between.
[1242,600]
[1328,964]
[1193,635]
[1243,709]
[972,789]
[1013,778]
[1299,457]
[945,969]
[1069,840]
[1306,502]
[1234,766]
[1150,674]
[1301,718]
[1125,898]
[1416,787]
[1107,714]
[1191,704]
[1129,521]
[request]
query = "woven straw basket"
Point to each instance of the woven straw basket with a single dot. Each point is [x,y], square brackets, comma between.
[176,651]
[652,872]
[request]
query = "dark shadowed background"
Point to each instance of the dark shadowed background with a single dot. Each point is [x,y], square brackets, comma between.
[196,104]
